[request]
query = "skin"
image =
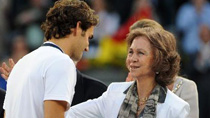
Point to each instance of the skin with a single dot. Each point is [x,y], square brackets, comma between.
[5,69]
[139,62]
[81,43]
[54,109]
[140,58]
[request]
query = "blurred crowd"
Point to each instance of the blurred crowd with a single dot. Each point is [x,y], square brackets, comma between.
[189,20]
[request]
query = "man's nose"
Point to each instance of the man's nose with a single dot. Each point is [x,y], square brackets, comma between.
[87,49]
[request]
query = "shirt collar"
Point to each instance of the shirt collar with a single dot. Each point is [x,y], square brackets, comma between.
[51,44]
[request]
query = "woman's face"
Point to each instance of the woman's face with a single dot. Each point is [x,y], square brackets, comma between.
[140,58]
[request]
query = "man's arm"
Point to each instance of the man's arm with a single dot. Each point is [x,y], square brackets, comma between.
[54,109]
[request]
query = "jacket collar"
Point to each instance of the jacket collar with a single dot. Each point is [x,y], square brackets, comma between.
[162,95]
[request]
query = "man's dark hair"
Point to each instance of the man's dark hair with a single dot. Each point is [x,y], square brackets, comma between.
[64,15]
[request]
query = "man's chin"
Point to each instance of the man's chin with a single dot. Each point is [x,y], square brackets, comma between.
[78,58]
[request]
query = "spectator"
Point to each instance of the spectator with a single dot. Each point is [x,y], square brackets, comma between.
[189,18]
[202,65]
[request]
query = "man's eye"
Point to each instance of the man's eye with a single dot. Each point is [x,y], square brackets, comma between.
[91,37]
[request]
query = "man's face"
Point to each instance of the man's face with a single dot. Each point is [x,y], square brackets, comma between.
[82,43]
[205,33]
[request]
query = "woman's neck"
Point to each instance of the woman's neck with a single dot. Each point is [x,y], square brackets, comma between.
[145,86]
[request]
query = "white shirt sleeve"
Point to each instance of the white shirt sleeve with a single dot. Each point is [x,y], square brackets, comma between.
[60,80]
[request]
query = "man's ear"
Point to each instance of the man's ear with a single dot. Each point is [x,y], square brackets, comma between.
[77,28]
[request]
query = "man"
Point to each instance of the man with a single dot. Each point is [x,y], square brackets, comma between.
[41,84]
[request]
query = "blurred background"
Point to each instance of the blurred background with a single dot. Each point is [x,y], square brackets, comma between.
[188,20]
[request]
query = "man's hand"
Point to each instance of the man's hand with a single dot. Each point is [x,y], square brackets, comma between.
[5,69]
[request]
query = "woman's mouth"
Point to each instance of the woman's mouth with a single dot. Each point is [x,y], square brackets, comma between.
[134,67]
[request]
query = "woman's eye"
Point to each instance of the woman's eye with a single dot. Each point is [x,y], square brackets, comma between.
[130,52]
[141,53]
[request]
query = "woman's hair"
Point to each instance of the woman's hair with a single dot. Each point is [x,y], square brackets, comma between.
[143,23]
[64,15]
[166,63]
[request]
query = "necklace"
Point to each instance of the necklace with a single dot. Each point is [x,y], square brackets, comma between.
[141,102]
[143,99]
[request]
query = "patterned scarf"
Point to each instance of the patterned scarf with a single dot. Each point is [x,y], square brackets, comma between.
[130,104]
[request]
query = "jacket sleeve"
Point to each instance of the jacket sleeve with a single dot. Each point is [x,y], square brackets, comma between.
[90,109]
[184,112]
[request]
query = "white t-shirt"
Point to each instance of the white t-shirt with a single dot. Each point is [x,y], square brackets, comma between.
[44,74]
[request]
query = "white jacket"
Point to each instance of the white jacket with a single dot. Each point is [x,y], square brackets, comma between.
[108,105]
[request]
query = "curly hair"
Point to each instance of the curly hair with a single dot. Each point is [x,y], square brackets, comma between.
[64,15]
[166,63]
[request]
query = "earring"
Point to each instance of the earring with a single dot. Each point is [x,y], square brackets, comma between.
[156,73]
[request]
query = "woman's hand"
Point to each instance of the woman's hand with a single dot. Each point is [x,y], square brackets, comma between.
[5,69]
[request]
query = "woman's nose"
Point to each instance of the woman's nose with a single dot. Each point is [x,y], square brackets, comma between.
[134,58]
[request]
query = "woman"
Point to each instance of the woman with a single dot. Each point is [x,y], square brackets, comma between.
[182,87]
[153,66]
